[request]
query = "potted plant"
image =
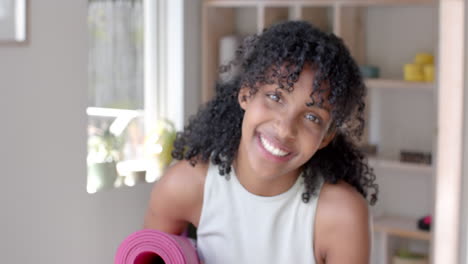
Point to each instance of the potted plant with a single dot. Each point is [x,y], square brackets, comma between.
[103,155]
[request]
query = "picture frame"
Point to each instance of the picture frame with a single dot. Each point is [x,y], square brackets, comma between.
[13,21]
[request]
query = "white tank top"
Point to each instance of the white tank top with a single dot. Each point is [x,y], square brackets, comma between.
[237,226]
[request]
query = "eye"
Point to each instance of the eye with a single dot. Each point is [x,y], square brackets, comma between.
[274,97]
[313,118]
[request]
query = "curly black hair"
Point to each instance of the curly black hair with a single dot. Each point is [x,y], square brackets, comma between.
[278,56]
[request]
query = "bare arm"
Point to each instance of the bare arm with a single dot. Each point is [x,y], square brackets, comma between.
[175,199]
[344,230]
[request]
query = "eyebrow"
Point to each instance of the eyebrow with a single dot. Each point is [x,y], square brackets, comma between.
[312,105]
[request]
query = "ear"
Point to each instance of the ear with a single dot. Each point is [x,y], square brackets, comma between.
[328,138]
[243,97]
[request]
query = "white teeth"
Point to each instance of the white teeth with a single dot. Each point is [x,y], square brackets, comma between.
[270,148]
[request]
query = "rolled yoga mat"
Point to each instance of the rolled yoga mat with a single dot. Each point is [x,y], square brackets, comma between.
[149,246]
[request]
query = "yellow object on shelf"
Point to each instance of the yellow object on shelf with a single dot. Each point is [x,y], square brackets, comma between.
[424,58]
[422,70]
[413,72]
[428,71]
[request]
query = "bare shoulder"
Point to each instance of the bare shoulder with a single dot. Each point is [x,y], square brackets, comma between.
[342,201]
[183,180]
[177,197]
[342,225]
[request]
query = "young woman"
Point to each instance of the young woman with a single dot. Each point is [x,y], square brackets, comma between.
[269,171]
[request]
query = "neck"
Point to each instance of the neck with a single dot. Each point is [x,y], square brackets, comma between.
[262,185]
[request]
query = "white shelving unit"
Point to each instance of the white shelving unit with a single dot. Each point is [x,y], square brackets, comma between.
[399,84]
[395,226]
[390,229]
[400,227]
[398,165]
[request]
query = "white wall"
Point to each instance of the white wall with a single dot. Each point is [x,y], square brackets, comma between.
[192,57]
[46,215]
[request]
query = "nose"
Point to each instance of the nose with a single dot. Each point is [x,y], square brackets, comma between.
[286,127]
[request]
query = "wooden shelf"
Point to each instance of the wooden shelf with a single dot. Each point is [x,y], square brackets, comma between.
[398,84]
[234,3]
[342,17]
[400,227]
[398,165]
[384,2]
[231,3]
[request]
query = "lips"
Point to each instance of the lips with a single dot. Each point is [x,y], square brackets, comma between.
[270,147]
[273,149]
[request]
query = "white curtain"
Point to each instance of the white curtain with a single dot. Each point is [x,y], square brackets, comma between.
[115,63]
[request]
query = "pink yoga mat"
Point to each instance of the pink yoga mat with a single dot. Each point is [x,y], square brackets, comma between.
[151,246]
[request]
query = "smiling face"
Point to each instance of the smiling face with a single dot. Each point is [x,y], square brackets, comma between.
[281,130]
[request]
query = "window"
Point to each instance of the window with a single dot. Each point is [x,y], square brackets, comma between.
[132,115]
[115,43]
[115,93]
